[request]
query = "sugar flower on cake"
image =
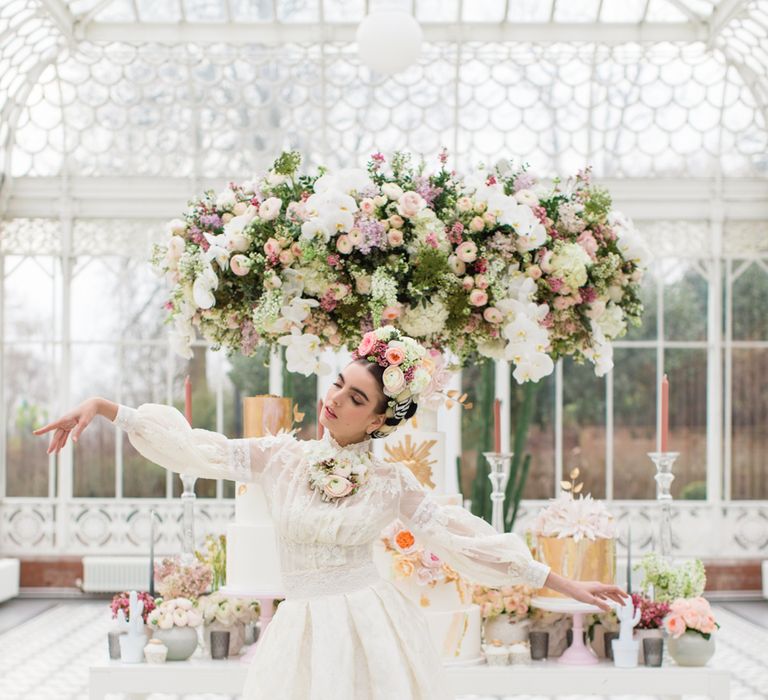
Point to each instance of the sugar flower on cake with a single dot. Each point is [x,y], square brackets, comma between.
[578,518]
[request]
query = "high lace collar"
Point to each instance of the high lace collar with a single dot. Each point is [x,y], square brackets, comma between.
[356,447]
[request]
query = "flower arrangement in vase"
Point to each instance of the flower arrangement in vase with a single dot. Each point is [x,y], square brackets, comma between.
[652,614]
[215,557]
[176,580]
[670,581]
[691,626]
[220,612]
[175,623]
[505,612]
[121,601]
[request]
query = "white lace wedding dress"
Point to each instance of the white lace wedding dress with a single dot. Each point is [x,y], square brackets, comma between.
[342,633]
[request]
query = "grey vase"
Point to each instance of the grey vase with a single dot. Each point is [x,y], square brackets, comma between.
[181,642]
[691,649]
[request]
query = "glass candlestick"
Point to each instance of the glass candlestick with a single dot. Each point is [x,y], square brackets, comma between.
[188,519]
[664,478]
[499,475]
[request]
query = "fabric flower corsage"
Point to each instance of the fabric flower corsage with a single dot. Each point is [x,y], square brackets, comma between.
[340,475]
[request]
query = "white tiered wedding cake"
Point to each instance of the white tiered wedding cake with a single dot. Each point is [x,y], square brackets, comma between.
[253,563]
[445,599]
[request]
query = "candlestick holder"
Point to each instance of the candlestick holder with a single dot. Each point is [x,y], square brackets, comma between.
[664,478]
[499,463]
[188,498]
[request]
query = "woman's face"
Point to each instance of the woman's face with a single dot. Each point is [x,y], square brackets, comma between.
[350,410]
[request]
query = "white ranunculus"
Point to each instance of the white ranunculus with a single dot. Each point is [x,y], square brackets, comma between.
[393,380]
[166,621]
[226,199]
[270,209]
[392,191]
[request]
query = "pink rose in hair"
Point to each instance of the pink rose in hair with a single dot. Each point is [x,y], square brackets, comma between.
[366,344]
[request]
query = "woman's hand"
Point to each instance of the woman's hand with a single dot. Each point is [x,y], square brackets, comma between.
[72,423]
[597,593]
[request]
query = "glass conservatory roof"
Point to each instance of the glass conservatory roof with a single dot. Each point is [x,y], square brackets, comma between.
[216,88]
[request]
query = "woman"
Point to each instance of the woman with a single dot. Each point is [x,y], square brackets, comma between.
[342,631]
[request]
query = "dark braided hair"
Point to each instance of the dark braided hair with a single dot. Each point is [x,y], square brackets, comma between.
[403,410]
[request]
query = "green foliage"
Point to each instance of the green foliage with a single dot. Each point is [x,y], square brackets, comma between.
[287,163]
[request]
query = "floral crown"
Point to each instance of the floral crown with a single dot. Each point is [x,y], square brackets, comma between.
[408,371]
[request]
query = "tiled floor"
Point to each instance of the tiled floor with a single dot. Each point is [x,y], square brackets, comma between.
[46,648]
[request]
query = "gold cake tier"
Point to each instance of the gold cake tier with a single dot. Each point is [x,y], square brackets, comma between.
[585,560]
[266,415]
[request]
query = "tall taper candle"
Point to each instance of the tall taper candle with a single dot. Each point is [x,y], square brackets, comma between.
[497,425]
[629,557]
[664,414]
[152,553]
[320,426]
[188,399]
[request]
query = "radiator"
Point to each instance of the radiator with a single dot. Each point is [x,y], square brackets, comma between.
[115,574]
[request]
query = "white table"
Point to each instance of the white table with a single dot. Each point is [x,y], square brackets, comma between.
[540,678]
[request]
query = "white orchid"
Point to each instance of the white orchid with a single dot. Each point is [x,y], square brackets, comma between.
[298,309]
[346,180]
[302,353]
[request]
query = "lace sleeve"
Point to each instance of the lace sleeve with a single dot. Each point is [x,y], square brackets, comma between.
[162,435]
[465,542]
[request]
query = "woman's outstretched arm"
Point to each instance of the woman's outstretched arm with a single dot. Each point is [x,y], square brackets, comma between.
[162,435]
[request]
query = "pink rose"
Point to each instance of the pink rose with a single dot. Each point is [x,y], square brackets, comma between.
[477,224]
[410,204]
[489,219]
[493,315]
[240,264]
[534,272]
[481,281]
[468,283]
[367,206]
[286,257]
[272,248]
[464,204]
[561,303]
[545,262]
[296,249]
[366,344]
[395,237]
[467,252]
[396,221]
[587,241]
[394,355]
[477,297]
[337,487]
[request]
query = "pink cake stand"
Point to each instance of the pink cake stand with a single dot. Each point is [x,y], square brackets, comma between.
[266,607]
[578,654]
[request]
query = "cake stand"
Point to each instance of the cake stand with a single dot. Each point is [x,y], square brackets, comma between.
[577,654]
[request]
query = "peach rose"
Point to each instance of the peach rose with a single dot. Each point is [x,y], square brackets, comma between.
[404,541]
[493,315]
[468,282]
[356,236]
[272,247]
[675,625]
[534,272]
[457,266]
[286,257]
[394,355]
[367,206]
[489,219]
[403,567]
[481,281]
[395,238]
[464,204]
[396,221]
[390,313]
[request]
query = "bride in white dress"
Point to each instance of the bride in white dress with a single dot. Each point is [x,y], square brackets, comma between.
[342,632]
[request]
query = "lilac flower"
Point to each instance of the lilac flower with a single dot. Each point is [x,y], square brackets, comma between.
[374,235]
[426,190]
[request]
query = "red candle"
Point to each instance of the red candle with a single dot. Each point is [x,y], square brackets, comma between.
[188,399]
[320,426]
[497,425]
[664,413]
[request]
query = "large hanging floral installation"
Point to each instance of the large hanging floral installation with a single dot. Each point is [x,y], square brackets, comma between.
[487,264]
